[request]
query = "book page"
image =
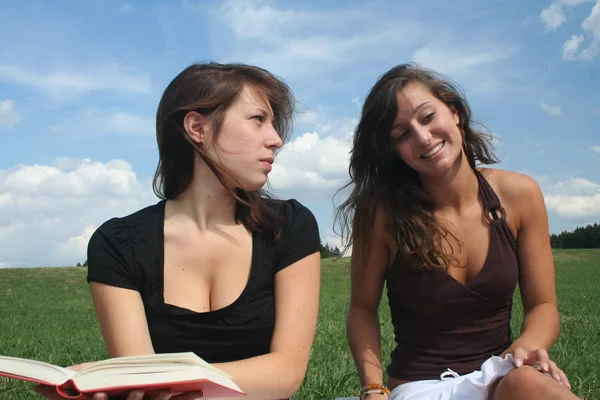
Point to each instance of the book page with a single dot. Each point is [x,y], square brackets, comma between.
[36,370]
[147,375]
[156,361]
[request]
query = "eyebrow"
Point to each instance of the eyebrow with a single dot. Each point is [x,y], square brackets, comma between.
[263,111]
[397,124]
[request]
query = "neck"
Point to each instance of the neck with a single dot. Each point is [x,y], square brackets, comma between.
[206,201]
[456,189]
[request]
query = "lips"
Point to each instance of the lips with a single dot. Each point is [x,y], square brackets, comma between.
[268,163]
[434,150]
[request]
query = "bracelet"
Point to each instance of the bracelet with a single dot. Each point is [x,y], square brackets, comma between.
[375,391]
[374,388]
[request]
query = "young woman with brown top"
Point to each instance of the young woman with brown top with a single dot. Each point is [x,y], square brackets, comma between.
[450,240]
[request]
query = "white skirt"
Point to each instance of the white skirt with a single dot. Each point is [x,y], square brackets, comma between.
[452,386]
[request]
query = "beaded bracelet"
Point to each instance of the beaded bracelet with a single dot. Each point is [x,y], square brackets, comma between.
[374,388]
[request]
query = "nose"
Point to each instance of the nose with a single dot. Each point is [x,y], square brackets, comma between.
[422,136]
[273,140]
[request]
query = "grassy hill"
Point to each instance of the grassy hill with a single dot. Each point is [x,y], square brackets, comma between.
[47,314]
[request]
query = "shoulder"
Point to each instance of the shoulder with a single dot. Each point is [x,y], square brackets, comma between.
[520,195]
[123,229]
[291,211]
[512,186]
[299,236]
[287,208]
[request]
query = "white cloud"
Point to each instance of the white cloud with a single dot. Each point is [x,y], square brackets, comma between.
[48,212]
[552,110]
[473,66]
[292,42]
[76,244]
[553,16]
[307,117]
[69,82]
[311,162]
[596,149]
[356,100]
[127,7]
[296,43]
[592,22]
[9,115]
[131,124]
[452,61]
[573,198]
[571,47]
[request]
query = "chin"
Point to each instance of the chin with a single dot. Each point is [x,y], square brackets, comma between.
[253,186]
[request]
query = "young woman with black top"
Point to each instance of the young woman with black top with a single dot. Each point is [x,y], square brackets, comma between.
[215,267]
[451,241]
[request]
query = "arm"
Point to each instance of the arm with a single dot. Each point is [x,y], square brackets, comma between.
[541,324]
[122,320]
[280,373]
[363,320]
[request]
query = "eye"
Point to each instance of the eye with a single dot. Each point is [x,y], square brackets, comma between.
[401,137]
[259,118]
[428,117]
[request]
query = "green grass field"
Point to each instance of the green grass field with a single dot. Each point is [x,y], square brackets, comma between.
[47,314]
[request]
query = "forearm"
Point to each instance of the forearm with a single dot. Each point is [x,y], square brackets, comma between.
[540,329]
[364,336]
[267,377]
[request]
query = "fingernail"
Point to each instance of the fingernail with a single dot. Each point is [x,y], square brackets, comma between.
[519,362]
[545,366]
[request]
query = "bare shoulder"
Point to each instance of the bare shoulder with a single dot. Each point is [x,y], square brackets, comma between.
[519,194]
[513,187]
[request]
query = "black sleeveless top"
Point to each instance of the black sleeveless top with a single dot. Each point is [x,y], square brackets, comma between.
[440,323]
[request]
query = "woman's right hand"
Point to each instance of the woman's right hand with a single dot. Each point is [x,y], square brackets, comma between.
[50,393]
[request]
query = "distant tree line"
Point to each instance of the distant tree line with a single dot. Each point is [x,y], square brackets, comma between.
[587,237]
[328,251]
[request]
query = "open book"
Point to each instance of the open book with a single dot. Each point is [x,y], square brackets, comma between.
[176,372]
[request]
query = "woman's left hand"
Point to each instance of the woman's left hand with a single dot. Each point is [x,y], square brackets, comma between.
[539,358]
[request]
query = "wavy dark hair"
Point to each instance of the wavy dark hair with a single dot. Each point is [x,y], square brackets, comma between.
[381,181]
[211,89]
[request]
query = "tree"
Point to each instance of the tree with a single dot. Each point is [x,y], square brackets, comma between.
[328,251]
[587,237]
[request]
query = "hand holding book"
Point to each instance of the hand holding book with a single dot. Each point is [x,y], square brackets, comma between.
[177,376]
[50,393]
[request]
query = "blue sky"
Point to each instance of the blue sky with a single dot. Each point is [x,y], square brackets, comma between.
[80,82]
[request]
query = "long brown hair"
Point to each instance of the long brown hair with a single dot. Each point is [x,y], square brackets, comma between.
[210,89]
[381,180]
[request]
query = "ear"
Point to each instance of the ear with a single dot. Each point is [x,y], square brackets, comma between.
[455,116]
[195,126]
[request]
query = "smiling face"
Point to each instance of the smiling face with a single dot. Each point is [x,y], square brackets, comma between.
[425,132]
[247,140]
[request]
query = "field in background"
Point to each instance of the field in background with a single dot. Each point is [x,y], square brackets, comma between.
[47,314]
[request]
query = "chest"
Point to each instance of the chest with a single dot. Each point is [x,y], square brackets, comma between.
[468,242]
[206,271]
